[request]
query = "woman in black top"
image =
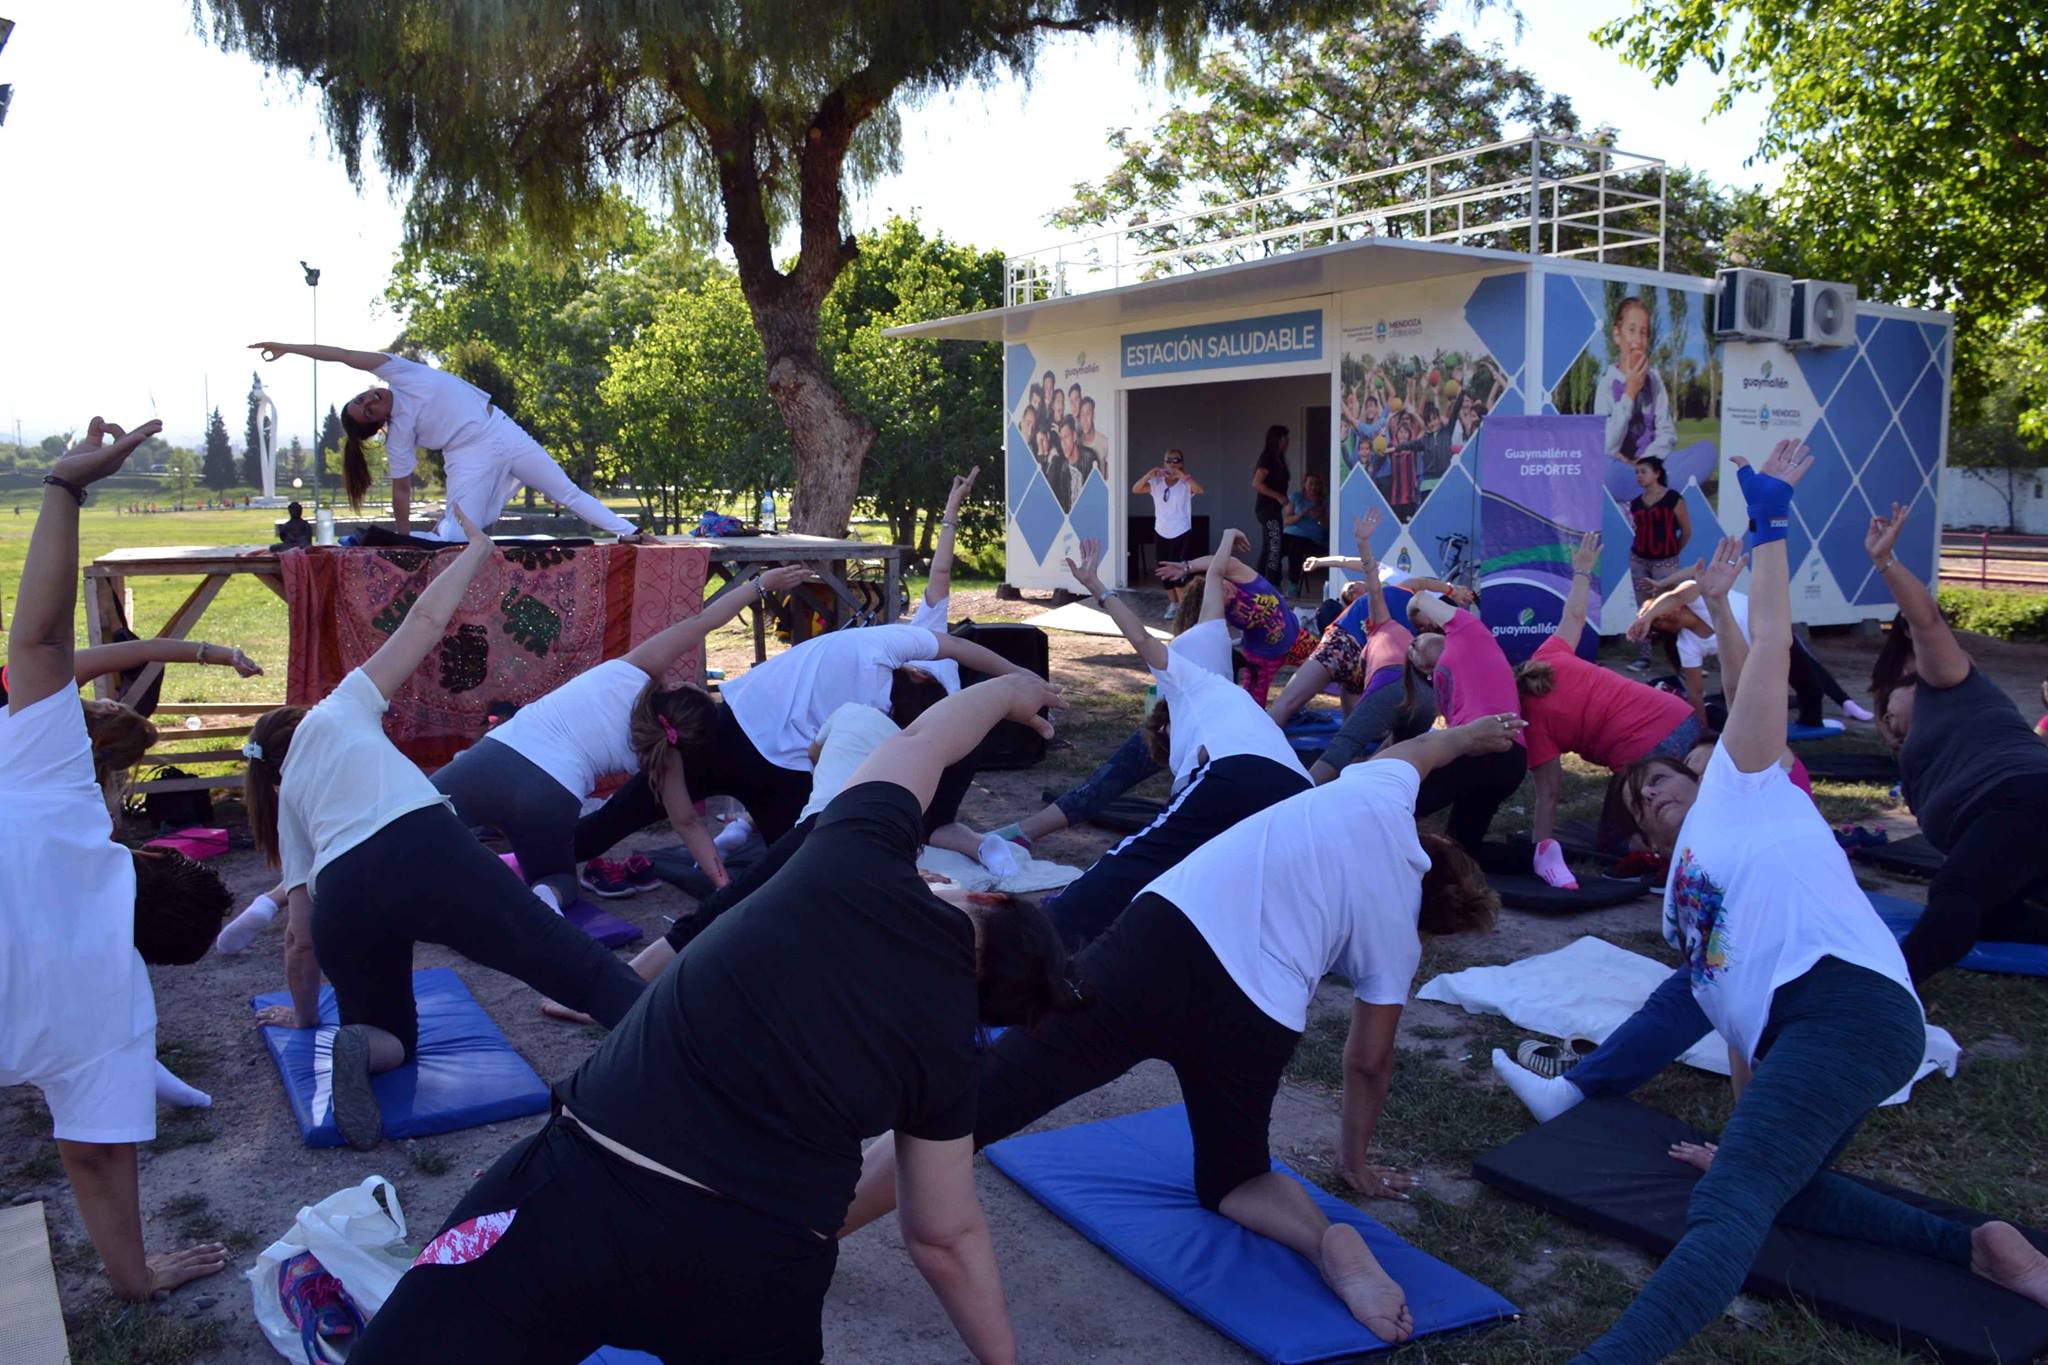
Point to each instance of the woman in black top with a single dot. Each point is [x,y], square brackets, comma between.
[1269,482]
[1973,771]
[684,1198]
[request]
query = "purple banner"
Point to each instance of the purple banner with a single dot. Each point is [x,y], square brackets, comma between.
[1539,491]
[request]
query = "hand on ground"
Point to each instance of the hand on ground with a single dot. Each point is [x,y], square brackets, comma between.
[1696,1154]
[277,1016]
[1379,1182]
[170,1269]
[555,1010]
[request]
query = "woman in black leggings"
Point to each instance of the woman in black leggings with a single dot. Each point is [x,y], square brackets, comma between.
[374,862]
[1211,970]
[683,1199]
[1974,773]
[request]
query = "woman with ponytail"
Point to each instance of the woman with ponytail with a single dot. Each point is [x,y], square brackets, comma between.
[528,777]
[716,1135]
[488,456]
[1211,970]
[374,861]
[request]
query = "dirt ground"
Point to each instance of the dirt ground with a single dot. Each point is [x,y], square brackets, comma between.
[239,1171]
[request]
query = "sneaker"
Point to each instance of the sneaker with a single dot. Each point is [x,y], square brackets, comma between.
[1641,665]
[1172,610]
[603,877]
[315,1302]
[640,872]
[356,1115]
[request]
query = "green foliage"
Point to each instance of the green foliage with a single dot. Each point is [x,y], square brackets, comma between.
[1914,136]
[2001,615]
[217,468]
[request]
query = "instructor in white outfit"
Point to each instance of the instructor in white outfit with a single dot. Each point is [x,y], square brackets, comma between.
[488,455]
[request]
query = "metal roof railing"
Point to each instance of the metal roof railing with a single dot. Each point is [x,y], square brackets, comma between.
[1540,195]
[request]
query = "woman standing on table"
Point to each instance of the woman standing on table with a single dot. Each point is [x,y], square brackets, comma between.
[529,776]
[374,861]
[1974,775]
[1228,759]
[1212,969]
[1481,683]
[487,455]
[1271,634]
[684,1197]
[1795,970]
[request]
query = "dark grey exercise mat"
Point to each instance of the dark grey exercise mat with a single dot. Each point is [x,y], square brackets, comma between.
[1603,1166]
[1851,765]
[1527,891]
[1912,856]
[1127,814]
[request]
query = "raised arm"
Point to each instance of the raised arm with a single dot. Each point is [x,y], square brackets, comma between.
[1434,748]
[980,658]
[1939,659]
[100,661]
[361,360]
[1573,623]
[427,620]
[948,732]
[1717,575]
[40,643]
[1369,567]
[656,654]
[1143,483]
[947,1238]
[940,585]
[1219,568]
[1151,652]
[1431,607]
[1755,736]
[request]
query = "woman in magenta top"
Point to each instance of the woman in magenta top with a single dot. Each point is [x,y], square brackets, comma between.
[1272,637]
[1473,679]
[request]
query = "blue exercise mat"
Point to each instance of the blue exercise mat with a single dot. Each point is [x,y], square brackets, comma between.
[2012,959]
[1795,733]
[1127,1185]
[619,1355]
[463,1074]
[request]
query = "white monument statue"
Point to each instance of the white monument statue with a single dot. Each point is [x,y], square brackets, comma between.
[266,437]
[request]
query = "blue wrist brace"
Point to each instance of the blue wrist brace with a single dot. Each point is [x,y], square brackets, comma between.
[1770,505]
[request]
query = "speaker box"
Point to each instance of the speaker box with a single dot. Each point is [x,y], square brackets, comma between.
[1011,744]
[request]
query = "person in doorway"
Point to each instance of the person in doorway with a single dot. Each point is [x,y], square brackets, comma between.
[374,862]
[1792,966]
[1173,491]
[1662,528]
[80,915]
[712,1143]
[1211,970]
[1307,533]
[1269,489]
[1974,775]
[488,456]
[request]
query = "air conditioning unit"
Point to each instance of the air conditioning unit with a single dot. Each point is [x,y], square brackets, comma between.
[1823,314]
[1754,305]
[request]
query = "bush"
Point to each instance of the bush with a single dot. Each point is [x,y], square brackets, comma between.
[2001,615]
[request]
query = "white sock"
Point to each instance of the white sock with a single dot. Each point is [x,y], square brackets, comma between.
[1544,1096]
[998,855]
[548,897]
[174,1092]
[1856,710]
[733,835]
[239,932]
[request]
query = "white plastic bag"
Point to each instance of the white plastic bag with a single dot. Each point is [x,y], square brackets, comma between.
[357,1234]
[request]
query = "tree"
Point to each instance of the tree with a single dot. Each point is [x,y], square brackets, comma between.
[218,471]
[296,465]
[183,465]
[1915,142]
[753,114]
[331,434]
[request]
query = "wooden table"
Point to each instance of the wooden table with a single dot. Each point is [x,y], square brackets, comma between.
[737,559]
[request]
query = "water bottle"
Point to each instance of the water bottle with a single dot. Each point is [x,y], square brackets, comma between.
[768,510]
[323,526]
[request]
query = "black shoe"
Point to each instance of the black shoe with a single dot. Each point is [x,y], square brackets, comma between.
[356,1115]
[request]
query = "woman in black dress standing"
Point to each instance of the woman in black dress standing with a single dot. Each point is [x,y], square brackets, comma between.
[1269,482]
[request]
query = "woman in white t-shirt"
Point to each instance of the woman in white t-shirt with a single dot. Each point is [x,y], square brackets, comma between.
[528,778]
[1212,970]
[487,456]
[374,861]
[80,915]
[1794,969]
[1173,491]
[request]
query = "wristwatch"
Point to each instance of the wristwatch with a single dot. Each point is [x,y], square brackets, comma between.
[69,487]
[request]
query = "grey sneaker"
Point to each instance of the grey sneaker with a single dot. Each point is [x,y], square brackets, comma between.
[356,1115]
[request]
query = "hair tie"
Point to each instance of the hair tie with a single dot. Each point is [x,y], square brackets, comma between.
[668,730]
[252,751]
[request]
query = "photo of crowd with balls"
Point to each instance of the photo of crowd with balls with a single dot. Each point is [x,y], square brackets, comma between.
[1406,417]
[1058,424]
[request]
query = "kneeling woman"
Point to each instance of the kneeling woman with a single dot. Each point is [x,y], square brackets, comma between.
[1480,683]
[1211,970]
[1796,971]
[374,862]
[683,1199]
[1228,759]
[528,778]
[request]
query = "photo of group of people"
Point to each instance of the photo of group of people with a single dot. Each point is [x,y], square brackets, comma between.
[1653,375]
[1407,418]
[1059,429]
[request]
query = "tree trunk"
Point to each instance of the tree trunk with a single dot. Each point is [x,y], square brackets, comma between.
[829,439]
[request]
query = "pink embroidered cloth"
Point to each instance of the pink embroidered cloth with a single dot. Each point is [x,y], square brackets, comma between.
[535,617]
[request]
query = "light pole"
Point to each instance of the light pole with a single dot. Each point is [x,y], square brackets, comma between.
[319,450]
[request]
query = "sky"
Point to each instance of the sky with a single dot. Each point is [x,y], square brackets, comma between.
[162,194]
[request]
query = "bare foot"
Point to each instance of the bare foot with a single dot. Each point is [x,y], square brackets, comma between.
[555,1010]
[1355,1277]
[2002,1255]
[1697,1154]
